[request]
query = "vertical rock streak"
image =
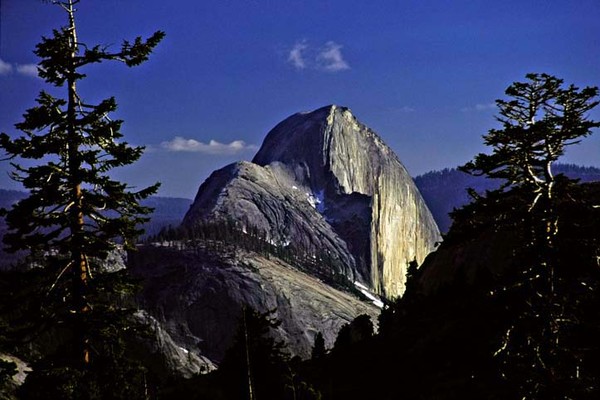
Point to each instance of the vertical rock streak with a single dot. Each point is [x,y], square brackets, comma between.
[402,228]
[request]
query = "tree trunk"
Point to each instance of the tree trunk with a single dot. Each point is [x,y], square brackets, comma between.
[78,257]
[250,389]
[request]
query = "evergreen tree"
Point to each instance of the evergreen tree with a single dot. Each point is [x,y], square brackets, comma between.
[537,350]
[538,122]
[361,328]
[256,366]
[318,350]
[75,213]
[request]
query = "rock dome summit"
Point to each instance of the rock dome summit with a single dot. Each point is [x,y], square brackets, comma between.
[325,184]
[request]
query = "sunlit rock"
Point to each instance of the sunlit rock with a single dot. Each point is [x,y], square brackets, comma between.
[323,183]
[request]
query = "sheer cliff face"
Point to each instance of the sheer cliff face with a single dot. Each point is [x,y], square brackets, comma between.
[356,198]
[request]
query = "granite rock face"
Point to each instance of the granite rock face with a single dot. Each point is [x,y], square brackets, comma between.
[197,295]
[322,182]
[171,358]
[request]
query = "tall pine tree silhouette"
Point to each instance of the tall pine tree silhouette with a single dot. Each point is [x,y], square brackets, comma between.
[538,352]
[75,212]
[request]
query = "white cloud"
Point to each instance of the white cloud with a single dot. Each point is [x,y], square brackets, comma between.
[480,107]
[27,69]
[179,144]
[5,68]
[396,110]
[483,107]
[295,57]
[330,58]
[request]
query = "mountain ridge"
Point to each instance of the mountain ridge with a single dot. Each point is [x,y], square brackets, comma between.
[430,185]
[445,190]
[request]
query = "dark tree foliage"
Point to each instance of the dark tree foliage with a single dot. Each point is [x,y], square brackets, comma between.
[443,344]
[318,350]
[508,305]
[540,119]
[446,189]
[75,213]
[223,235]
[358,330]
[74,207]
[545,301]
[41,330]
[544,292]
[7,370]
[257,366]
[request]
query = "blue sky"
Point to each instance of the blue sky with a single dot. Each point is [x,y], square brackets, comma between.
[422,73]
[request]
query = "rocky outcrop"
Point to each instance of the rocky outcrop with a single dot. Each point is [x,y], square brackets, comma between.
[197,294]
[170,358]
[266,199]
[9,386]
[324,182]
[324,191]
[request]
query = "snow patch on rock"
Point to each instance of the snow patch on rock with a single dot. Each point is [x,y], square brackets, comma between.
[364,290]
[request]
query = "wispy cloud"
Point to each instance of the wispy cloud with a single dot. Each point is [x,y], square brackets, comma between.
[479,107]
[27,70]
[328,57]
[483,107]
[5,68]
[397,110]
[296,56]
[180,144]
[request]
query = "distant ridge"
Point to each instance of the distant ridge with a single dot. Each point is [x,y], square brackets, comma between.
[442,190]
[447,189]
[167,211]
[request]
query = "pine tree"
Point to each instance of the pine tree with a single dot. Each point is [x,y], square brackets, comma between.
[318,350]
[539,121]
[359,329]
[256,365]
[541,292]
[75,213]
